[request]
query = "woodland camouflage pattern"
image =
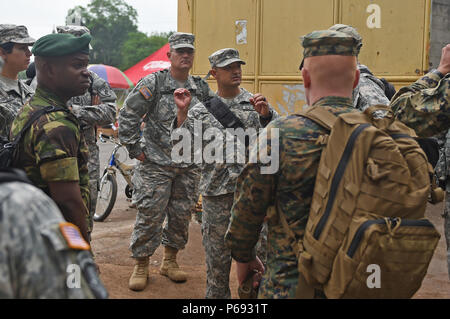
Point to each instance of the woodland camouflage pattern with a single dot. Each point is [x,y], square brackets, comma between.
[53,149]
[34,256]
[10,103]
[328,42]
[290,189]
[90,117]
[425,105]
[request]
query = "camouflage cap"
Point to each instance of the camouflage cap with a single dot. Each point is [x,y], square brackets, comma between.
[76,30]
[350,31]
[328,42]
[181,40]
[224,57]
[15,33]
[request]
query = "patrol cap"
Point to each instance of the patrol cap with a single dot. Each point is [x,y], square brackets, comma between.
[15,33]
[76,30]
[349,30]
[181,40]
[224,57]
[328,42]
[61,44]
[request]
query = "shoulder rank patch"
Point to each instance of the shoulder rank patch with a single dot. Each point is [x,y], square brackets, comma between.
[73,237]
[146,92]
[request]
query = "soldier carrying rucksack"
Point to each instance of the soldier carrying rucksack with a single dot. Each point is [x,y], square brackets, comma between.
[369,191]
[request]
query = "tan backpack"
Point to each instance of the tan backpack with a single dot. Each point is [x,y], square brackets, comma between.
[366,236]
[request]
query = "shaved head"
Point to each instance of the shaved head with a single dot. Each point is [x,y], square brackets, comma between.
[329,75]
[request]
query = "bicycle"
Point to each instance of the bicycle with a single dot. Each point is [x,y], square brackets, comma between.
[107,189]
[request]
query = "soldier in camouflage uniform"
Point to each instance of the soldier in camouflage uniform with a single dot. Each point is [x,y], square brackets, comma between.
[97,107]
[162,188]
[14,93]
[370,89]
[41,255]
[425,106]
[53,152]
[217,183]
[329,59]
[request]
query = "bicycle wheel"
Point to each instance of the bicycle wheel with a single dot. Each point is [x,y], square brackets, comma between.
[106,199]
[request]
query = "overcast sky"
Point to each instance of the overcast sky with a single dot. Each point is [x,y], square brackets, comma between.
[39,16]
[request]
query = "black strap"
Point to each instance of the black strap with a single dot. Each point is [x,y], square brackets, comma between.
[222,113]
[36,115]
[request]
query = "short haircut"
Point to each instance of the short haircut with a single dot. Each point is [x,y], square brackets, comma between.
[8,47]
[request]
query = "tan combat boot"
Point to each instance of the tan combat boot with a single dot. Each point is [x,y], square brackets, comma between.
[170,267]
[138,280]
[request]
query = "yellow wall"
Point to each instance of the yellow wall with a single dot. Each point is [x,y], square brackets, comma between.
[267,34]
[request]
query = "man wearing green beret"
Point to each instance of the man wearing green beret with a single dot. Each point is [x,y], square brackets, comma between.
[53,152]
[330,74]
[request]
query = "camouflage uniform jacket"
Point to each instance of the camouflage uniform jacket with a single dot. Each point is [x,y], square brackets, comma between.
[90,115]
[290,190]
[220,178]
[443,166]
[153,98]
[370,90]
[425,105]
[10,103]
[34,256]
[53,149]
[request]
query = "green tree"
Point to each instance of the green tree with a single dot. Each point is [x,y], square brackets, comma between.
[110,22]
[138,46]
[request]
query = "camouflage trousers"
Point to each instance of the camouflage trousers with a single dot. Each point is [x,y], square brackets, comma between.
[94,176]
[162,192]
[215,219]
[447,226]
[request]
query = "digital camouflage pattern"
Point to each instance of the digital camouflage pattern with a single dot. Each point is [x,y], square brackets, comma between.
[224,57]
[153,98]
[161,191]
[76,30]
[34,256]
[15,33]
[13,95]
[220,178]
[53,149]
[162,187]
[96,108]
[181,40]
[290,189]
[217,185]
[369,91]
[425,105]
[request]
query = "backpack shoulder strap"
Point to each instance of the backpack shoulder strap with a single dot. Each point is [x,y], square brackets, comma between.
[36,115]
[222,113]
[320,116]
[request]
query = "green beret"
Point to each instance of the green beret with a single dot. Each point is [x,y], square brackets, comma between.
[329,42]
[61,44]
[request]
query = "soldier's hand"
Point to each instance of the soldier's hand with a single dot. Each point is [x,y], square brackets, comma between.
[260,105]
[182,99]
[444,65]
[141,157]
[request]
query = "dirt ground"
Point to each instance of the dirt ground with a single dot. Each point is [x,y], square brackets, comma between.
[110,240]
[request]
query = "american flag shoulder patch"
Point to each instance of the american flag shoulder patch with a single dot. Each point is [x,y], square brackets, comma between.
[73,237]
[146,92]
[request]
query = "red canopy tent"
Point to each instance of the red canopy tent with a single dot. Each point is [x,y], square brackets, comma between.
[156,61]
